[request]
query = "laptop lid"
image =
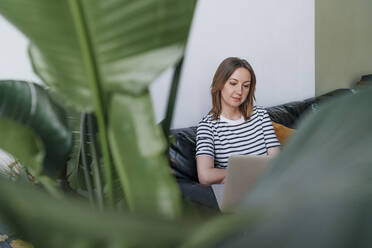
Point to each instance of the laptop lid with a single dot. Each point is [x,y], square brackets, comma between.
[243,171]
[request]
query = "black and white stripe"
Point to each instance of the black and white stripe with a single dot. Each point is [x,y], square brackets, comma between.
[221,139]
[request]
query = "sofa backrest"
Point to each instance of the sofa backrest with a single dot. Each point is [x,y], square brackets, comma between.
[182,153]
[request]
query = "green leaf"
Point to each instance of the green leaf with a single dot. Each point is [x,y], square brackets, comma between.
[123,45]
[140,158]
[22,143]
[210,233]
[30,105]
[166,123]
[47,222]
[317,192]
[85,50]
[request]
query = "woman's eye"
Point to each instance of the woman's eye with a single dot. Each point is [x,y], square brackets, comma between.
[232,83]
[246,86]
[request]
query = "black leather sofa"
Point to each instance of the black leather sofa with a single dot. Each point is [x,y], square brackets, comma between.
[182,148]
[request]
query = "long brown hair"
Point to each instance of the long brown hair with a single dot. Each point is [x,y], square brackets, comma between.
[222,74]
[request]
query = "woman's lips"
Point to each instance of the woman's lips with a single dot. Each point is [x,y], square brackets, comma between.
[236,99]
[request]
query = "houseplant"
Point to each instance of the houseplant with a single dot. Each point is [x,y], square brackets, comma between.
[98,57]
[285,209]
[101,57]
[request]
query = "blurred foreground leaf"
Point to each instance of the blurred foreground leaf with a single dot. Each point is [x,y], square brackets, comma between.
[47,222]
[318,191]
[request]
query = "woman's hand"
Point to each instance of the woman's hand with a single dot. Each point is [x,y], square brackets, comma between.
[223,180]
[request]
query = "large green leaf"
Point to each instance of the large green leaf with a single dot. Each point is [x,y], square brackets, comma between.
[30,105]
[48,222]
[86,50]
[317,192]
[140,158]
[122,45]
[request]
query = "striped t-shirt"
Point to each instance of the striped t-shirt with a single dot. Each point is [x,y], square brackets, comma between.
[222,138]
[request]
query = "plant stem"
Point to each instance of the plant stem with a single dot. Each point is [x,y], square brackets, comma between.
[84,160]
[95,161]
[94,79]
[166,124]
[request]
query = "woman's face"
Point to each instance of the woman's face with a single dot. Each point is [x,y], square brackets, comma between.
[236,88]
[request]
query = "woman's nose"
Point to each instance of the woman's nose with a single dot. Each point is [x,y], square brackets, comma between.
[238,90]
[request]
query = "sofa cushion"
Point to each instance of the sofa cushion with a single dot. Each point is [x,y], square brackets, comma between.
[198,194]
[282,132]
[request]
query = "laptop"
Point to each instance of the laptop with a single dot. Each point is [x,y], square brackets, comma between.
[243,171]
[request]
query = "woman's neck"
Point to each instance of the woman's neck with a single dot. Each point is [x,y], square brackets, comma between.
[231,114]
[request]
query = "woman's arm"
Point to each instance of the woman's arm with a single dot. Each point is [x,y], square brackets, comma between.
[207,174]
[273,150]
[270,135]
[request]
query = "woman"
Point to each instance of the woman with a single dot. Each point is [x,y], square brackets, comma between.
[234,125]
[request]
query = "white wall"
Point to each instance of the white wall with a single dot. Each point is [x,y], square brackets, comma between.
[276,37]
[14,62]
